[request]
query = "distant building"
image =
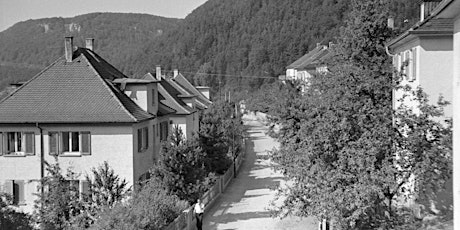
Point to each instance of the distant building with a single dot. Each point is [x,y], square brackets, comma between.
[81,111]
[179,94]
[313,62]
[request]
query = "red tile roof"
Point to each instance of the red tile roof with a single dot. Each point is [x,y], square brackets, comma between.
[72,92]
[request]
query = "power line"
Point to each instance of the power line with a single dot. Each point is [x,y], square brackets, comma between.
[223,75]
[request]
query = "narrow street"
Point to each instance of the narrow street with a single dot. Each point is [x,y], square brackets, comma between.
[245,203]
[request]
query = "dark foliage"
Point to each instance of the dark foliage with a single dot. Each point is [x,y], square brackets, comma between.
[237,37]
[10,218]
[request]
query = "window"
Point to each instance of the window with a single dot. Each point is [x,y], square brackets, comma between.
[142,139]
[164,129]
[15,188]
[62,143]
[17,143]
[78,188]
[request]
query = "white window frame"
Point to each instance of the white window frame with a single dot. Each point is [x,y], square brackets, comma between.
[70,151]
[70,140]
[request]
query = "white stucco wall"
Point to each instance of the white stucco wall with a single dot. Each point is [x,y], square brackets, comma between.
[181,122]
[456,108]
[433,69]
[143,160]
[113,144]
[142,95]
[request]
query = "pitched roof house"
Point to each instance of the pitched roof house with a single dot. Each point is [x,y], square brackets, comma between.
[80,111]
[179,94]
[311,63]
[450,10]
[428,56]
[424,56]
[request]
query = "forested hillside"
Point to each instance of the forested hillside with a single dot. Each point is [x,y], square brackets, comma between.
[233,37]
[27,47]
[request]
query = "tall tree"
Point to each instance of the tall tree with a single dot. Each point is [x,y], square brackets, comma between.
[343,152]
[60,201]
[180,168]
[219,135]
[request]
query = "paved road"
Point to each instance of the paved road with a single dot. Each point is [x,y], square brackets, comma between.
[245,203]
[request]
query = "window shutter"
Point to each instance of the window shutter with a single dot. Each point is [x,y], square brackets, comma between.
[53,143]
[8,187]
[139,140]
[64,142]
[84,188]
[19,184]
[85,143]
[146,143]
[29,138]
[1,144]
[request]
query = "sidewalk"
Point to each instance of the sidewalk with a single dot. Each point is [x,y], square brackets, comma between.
[245,203]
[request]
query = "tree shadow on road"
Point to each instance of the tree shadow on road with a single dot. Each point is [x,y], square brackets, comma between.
[253,181]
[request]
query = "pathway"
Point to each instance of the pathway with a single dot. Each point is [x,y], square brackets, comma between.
[245,203]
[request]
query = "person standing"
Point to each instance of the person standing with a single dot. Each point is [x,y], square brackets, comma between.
[199,209]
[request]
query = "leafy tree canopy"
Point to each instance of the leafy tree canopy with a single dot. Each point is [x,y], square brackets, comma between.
[339,144]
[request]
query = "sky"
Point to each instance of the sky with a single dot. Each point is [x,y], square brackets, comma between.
[13,11]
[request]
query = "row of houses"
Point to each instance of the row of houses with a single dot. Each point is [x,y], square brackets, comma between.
[428,54]
[81,111]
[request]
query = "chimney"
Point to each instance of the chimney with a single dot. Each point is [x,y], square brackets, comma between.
[391,23]
[426,7]
[176,72]
[158,72]
[89,44]
[68,45]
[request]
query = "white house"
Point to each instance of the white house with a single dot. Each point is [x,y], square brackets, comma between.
[81,111]
[311,63]
[179,94]
[425,55]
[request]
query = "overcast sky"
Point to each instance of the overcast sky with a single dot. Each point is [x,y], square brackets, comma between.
[12,11]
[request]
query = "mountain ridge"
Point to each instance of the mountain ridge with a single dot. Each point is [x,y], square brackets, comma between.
[220,37]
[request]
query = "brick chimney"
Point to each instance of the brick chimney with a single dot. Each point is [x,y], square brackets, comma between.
[426,7]
[158,72]
[68,46]
[89,44]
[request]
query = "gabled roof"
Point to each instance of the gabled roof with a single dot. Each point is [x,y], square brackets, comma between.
[72,92]
[169,96]
[429,26]
[172,99]
[181,80]
[165,110]
[438,27]
[311,59]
